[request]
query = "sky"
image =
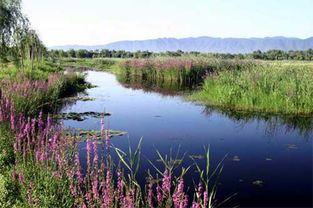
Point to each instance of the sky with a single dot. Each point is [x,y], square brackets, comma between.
[94,22]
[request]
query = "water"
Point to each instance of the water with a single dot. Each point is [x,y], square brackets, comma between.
[274,150]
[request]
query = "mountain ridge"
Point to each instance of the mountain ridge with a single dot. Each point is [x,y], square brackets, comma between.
[203,44]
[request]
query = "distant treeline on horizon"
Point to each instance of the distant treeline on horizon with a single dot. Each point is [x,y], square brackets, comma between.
[105,53]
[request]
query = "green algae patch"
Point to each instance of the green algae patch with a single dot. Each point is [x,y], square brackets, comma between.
[94,134]
[80,116]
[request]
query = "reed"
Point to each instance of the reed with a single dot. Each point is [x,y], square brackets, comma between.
[190,71]
[272,88]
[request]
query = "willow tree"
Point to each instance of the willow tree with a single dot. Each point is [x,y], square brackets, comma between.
[11,20]
[17,41]
[36,49]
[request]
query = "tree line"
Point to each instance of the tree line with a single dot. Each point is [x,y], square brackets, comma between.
[105,53]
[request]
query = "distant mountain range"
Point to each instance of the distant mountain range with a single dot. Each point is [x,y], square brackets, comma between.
[203,44]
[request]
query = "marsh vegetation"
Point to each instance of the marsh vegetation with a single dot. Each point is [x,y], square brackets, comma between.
[58,147]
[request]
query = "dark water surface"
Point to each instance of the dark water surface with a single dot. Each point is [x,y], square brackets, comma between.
[274,150]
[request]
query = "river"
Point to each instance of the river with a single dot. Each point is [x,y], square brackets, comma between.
[269,158]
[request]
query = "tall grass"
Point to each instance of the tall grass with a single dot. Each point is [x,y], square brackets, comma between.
[30,94]
[274,88]
[180,70]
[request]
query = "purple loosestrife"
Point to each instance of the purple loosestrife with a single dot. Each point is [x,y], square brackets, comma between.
[205,199]
[15,148]
[95,152]
[150,195]
[179,195]
[89,149]
[107,140]
[119,192]
[77,166]
[43,156]
[37,157]
[159,195]
[13,127]
[21,178]
[95,189]
[109,186]
[73,190]
[166,182]
[54,142]
[195,205]
[130,199]
[29,194]
[200,189]
[89,199]
[13,174]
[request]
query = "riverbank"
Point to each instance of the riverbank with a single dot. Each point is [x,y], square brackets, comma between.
[25,95]
[41,163]
[276,87]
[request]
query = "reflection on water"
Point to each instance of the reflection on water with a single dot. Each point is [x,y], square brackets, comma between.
[303,125]
[274,123]
[163,87]
[269,159]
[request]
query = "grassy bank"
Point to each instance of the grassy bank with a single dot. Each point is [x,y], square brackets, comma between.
[36,90]
[273,87]
[23,94]
[40,164]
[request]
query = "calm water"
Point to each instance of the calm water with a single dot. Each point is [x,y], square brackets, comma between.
[168,121]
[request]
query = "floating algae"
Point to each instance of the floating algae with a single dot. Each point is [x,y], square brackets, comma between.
[80,116]
[236,158]
[78,99]
[94,134]
[258,183]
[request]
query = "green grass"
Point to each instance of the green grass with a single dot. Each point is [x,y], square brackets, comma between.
[274,87]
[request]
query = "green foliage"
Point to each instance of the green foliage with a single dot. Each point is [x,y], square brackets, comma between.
[9,192]
[47,190]
[278,88]
[18,42]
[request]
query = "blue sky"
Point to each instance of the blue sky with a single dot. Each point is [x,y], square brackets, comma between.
[90,22]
